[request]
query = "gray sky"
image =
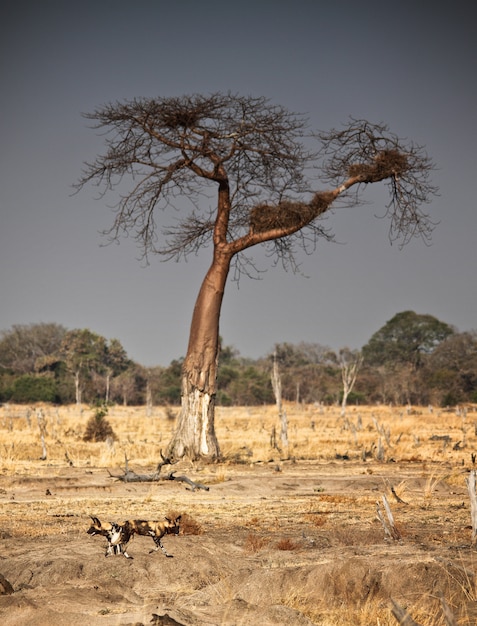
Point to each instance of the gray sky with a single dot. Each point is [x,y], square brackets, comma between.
[409,66]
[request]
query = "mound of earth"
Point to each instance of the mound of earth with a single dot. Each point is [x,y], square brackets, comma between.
[288,547]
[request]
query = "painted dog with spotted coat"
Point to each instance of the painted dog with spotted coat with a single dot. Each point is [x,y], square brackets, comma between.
[119,535]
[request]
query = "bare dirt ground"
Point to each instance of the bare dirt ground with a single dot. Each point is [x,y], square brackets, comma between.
[273,541]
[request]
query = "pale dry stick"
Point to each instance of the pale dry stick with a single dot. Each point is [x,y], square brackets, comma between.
[382,431]
[405,619]
[42,426]
[282,414]
[389,527]
[402,616]
[448,614]
[395,533]
[471,482]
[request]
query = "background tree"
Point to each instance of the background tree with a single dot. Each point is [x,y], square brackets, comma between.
[400,349]
[452,369]
[350,362]
[83,353]
[168,388]
[256,157]
[405,338]
[129,386]
[27,389]
[25,348]
[309,372]
[115,361]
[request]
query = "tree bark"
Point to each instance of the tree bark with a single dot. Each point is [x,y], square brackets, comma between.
[194,435]
[77,387]
[108,385]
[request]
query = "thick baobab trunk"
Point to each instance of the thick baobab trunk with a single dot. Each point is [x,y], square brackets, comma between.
[195,436]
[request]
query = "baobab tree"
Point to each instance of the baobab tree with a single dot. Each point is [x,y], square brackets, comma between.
[257,159]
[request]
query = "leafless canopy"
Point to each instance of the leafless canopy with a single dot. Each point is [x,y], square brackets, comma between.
[368,153]
[254,157]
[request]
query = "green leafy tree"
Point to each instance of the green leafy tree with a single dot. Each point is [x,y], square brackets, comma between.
[28,388]
[115,361]
[309,372]
[83,353]
[399,350]
[452,369]
[129,385]
[168,388]
[251,388]
[405,339]
[256,157]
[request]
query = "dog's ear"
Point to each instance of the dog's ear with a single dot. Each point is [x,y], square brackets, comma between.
[178,518]
[96,520]
[168,520]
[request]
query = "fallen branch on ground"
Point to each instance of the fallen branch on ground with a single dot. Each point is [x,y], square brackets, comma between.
[184,479]
[130,476]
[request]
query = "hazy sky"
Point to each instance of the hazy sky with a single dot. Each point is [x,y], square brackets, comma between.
[408,64]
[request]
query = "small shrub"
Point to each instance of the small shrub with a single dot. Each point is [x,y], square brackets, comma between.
[28,389]
[98,427]
[254,543]
[286,544]
[190,526]
[317,519]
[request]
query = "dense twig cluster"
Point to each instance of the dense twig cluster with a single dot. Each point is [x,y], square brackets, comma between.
[255,152]
[370,153]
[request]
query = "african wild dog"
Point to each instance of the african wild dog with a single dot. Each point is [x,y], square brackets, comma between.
[156,530]
[118,536]
[114,535]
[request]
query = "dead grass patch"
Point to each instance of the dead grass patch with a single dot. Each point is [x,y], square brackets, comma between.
[254,543]
[286,544]
[266,514]
[189,525]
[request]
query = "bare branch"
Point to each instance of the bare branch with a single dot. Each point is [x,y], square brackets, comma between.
[364,153]
[253,155]
[401,615]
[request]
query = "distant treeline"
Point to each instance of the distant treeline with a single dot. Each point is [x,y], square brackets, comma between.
[412,359]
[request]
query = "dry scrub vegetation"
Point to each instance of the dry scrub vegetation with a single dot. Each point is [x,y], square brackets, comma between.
[281,536]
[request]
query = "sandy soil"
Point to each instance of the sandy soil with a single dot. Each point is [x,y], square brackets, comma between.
[277,543]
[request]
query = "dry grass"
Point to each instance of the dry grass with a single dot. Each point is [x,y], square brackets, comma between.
[254,543]
[286,544]
[244,435]
[426,473]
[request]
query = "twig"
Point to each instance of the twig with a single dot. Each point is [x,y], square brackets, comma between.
[193,485]
[448,614]
[402,615]
[390,529]
[471,483]
[68,459]
[398,499]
